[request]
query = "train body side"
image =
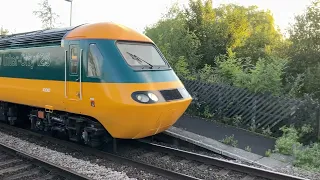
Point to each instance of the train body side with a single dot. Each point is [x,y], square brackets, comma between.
[41,77]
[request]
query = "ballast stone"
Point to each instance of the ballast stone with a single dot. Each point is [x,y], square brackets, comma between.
[86,168]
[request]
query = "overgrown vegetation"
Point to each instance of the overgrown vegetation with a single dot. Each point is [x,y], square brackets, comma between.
[241,46]
[229,140]
[248,148]
[290,143]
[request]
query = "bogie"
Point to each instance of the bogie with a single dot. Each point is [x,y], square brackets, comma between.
[77,128]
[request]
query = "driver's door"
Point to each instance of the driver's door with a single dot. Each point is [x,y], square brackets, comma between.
[73,72]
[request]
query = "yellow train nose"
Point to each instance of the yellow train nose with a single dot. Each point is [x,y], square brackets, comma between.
[165,120]
[142,121]
[129,111]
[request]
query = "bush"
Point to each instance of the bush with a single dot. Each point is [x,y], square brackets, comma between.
[265,76]
[288,144]
[209,74]
[288,141]
[312,80]
[181,68]
[308,158]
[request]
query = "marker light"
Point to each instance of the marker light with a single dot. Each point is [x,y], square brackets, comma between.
[142,98]
[153,97]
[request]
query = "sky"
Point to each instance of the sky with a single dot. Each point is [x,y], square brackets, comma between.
[17,16]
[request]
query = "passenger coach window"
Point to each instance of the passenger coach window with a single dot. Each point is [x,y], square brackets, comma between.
[74,61]
[94,61]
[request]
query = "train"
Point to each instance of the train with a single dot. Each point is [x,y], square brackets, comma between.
[91,83]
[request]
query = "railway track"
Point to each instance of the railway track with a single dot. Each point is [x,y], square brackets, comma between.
[17,165]
[226,169]
[227,166]
[157,170]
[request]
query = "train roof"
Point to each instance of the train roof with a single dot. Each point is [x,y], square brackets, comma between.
[105,30]
[34,38]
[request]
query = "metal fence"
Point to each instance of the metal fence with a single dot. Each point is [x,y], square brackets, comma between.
[263,109]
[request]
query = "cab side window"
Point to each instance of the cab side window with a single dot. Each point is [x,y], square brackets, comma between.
[74,60]
[94,61]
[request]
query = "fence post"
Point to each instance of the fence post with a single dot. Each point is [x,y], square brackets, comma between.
[318,120]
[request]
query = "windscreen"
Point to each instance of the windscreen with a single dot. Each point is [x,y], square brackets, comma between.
[141,54]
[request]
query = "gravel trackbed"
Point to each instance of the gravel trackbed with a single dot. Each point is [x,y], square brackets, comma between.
[86,168]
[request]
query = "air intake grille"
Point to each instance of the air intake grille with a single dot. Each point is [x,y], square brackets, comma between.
[34,38]
[172,94]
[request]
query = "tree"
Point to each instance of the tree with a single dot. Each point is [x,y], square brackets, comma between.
[212,32]
[231,28]
[304,51]
[177,43]
[305,38]
[46,14]
[195,37]
[3,31]
[251,32]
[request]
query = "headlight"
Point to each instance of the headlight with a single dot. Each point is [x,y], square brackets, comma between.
[145,97]
[153,97]
[142,98]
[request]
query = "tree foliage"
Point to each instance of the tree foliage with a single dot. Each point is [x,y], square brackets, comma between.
[244,31]
[304,50]
[3,31]
[200,18]
[242,46]
[178,44]
[46,14]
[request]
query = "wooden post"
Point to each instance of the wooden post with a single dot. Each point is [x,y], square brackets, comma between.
[318,120]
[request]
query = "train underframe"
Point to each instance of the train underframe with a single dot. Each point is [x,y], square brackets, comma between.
[74,127]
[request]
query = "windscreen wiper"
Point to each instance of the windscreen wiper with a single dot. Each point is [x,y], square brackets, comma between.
[135,57]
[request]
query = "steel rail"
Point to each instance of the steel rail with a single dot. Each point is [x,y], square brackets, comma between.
[65,172]
[218,162]
[157,170]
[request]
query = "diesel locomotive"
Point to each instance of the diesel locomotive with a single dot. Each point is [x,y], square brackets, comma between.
[92,83]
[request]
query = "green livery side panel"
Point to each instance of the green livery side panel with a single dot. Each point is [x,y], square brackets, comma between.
[48,63]
[44,63]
